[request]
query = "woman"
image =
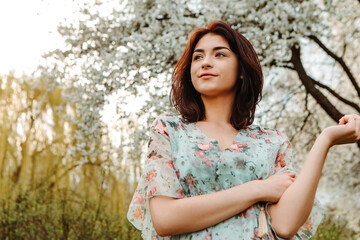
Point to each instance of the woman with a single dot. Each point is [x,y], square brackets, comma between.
[210,174]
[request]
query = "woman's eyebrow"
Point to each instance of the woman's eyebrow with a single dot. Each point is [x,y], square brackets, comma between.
[214,49]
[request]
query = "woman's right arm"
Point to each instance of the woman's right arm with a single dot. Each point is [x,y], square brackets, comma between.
[174,216]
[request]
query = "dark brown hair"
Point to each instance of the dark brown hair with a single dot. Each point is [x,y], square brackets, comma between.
[249,85]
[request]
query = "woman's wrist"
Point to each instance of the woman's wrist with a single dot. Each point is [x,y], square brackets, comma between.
[261,189]
[324,139]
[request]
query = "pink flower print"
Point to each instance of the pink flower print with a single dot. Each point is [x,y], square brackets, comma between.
[138,214]
[139,198]
[253,136]
[153,191]
[268,141]
[280,162]
[207,162]
[170,164]
[244,213]
[240,163]
[281,159]
[222,159]
[308,225]
[151,174]
[265,130]
[161,128]
[152,158]
[205,146]
[190,180]
[237,147]
[242,145]
[234,147]
[180,125]
[177,174]
[200,154]
[179,191]
[208,236]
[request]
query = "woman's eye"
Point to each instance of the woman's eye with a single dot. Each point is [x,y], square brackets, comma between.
[220,55]
[197,57]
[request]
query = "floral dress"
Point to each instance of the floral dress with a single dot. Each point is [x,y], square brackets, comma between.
[183,162]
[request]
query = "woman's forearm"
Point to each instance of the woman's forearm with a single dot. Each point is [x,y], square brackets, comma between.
[295,205]
[174,216]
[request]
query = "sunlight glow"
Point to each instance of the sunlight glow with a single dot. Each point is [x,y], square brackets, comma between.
[28,29]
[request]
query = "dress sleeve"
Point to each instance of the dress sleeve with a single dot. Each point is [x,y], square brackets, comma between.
[158,178]
[282,163]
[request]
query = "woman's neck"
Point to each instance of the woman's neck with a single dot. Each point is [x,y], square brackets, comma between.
[218,110]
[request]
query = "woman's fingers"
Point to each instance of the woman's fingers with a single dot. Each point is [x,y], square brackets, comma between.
[353,121]
[291,174]
[288,173]
[348,130]
[292,177]
[342,121]
[349,118]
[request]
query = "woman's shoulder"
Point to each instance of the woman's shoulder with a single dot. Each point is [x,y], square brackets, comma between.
[168,118]
[172,122]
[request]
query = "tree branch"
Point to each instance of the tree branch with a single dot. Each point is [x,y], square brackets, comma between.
[339,60]
[310,86]
[348,102]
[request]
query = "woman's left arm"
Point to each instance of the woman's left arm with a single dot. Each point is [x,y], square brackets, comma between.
[294,206]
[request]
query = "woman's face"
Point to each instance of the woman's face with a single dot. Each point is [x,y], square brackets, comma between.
[214,67]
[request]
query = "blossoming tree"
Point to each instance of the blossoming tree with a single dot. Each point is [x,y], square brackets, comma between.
[308,48]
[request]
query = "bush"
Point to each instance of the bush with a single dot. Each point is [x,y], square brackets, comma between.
[44,216]
[41,217]
[331,230]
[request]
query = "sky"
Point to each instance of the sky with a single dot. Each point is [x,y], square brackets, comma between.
[29,29]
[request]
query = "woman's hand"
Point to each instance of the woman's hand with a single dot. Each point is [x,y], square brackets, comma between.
[274,186]
[295,205]
[348,131]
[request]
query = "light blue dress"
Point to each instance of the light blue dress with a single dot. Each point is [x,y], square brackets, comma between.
[183,162]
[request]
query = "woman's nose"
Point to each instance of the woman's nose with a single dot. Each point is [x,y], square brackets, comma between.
[206,63]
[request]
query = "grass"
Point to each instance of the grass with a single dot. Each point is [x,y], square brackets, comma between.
[45,216]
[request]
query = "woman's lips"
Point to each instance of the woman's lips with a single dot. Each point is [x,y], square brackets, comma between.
[207,76]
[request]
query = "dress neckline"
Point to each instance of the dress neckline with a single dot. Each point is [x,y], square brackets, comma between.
[215,140]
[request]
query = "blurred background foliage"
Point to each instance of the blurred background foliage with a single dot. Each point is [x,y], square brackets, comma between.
[46,191]
[73,134]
